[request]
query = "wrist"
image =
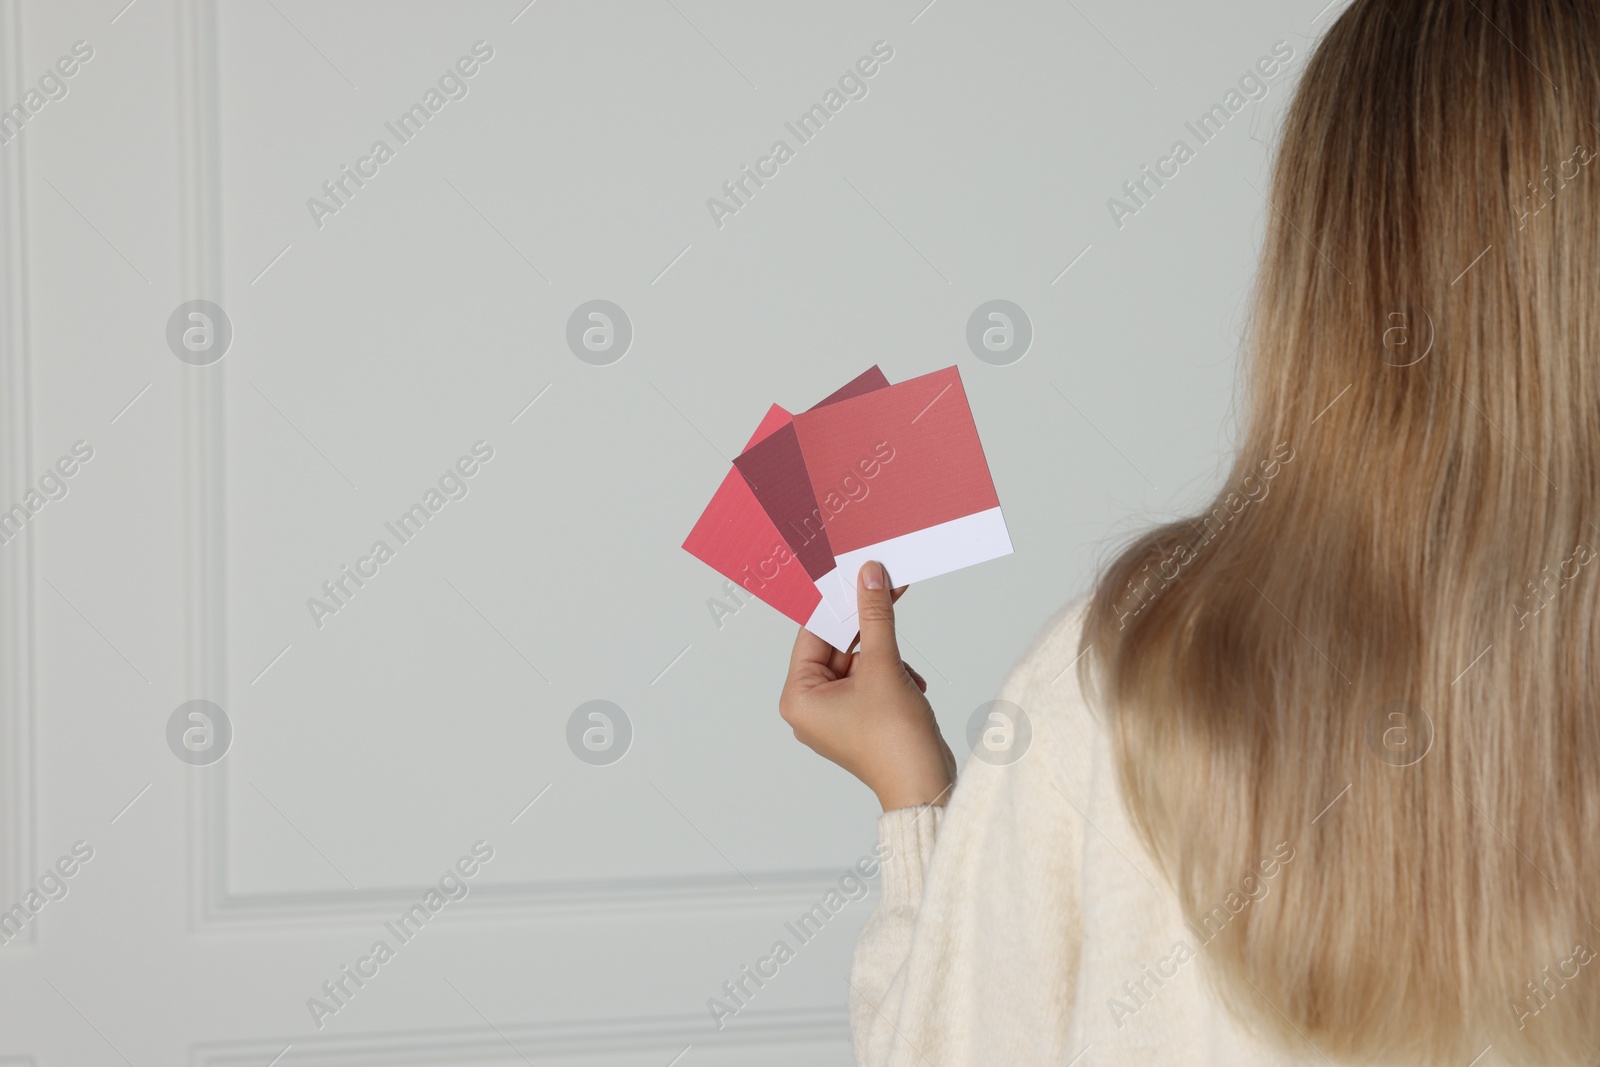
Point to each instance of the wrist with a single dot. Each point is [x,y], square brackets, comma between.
[933,788]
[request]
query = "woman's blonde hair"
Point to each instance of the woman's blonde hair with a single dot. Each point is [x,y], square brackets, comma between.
[1378,650]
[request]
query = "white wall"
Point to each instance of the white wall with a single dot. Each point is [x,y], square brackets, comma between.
[371,351]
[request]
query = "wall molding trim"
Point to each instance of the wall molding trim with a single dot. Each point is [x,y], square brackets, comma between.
[513,1042]
[18,651]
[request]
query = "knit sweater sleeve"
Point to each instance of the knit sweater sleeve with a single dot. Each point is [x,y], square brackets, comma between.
[971,955]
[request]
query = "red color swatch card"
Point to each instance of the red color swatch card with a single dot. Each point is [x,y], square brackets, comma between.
[900,476]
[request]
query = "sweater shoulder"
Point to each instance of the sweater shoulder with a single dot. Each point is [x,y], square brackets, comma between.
[1046,671]
[1063,732]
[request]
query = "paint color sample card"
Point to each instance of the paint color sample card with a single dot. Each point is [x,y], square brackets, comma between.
[902,477]
[894,473]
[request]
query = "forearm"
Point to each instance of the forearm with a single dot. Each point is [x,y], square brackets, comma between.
[906,838]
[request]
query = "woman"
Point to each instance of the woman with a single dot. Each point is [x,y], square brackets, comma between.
[1324,783]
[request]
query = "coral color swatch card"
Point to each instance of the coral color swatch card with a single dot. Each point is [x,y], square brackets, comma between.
[901,475]
[874,471]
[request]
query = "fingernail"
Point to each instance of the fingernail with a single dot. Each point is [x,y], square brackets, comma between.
[872,575]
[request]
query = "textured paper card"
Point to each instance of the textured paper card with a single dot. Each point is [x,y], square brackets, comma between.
[900,476]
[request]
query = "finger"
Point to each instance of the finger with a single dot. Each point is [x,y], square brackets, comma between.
[810,652]
[895,595]
[922,683]
[875,605]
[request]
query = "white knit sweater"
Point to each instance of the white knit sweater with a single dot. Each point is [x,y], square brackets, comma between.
[1026,924]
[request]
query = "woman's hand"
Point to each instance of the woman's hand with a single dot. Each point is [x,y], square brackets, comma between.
[865,710]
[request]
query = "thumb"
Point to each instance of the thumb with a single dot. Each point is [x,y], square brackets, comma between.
[875,608]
